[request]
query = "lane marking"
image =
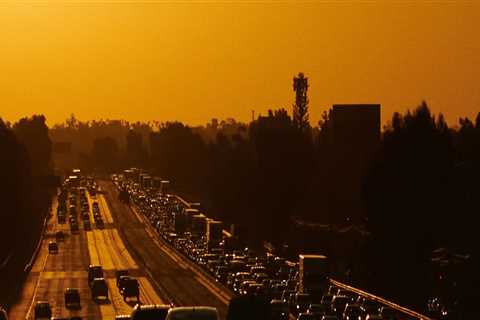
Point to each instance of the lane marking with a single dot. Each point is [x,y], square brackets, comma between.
[105,209]
[212,289]
[223,297]
[36,288]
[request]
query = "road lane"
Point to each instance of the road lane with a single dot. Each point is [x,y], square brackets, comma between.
[168,270]
[51,274]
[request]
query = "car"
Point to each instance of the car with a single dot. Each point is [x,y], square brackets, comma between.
[192,313]
[59,235]
[52,247]
[86,225]
[279,309]
[72,298]
[318,308]
[149,312]
[388,313]
[74,227]
[329,317]
[119,273]
[338,304]
[94,271]
[353,312]
[99,288]
[307,316]
[122,316]
[61,218]
[130,288]
[42,310]
[100,224]
[302,302]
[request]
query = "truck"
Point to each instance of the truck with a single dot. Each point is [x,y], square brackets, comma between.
[164,187]
[313,274]
[189,214]
[214,233]
[199,225]
[180,222]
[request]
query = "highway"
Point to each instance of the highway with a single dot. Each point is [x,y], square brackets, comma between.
[172,273]
[125,243]
[51,274]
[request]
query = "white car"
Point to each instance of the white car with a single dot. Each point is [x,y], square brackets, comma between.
[192,313]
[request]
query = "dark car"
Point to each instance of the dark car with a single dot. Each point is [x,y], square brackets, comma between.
[72,298]
[86,225]
[52,247]
[353,312]
[43,310]
[99,288]
[61,218]
[119,273]
[130,288]
[59,235]
[94,271]
[74,226]
[100,224]
[149,312]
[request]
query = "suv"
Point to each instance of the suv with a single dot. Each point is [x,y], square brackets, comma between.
[94,271]
[129,288]
[149,311]
[43,310]
[72,298]
[99,288]
[52,247]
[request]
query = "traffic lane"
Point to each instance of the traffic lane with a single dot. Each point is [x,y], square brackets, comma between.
[107,249]
[177,280]
[51,274]
[20,309]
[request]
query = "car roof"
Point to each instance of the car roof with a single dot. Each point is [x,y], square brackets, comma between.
[197,309]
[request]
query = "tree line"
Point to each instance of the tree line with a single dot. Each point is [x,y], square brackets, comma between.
[25,167]
[418,192]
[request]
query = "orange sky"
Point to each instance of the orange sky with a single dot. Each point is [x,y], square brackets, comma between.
[193,61]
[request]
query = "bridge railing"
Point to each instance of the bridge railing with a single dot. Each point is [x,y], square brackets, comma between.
[369,296]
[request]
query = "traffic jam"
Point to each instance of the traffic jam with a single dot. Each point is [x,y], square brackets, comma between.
[295,290]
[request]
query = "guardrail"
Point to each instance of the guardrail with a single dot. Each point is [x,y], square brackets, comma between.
[370,296]
[30,263]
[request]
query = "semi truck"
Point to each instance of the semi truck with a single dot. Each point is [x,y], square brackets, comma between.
[313,274]
[214,233]
[199,225]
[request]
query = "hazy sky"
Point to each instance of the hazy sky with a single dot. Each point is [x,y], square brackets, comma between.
[193,61]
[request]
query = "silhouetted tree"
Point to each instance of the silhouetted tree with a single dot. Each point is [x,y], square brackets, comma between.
[106,155]
[284,161]
[180,155]
[407,199]
[33,133]
[135,154]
